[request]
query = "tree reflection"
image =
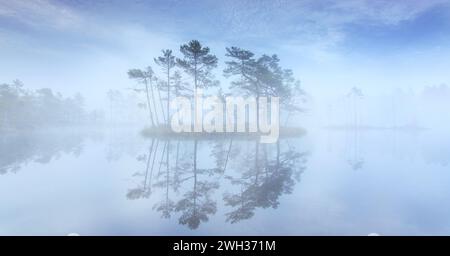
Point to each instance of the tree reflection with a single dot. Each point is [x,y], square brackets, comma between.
[166,206]
[261,185]
[143,190]
[254,175]
[356,160]
[196,204]
[21,149]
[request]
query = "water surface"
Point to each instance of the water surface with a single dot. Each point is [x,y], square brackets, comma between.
[327,182]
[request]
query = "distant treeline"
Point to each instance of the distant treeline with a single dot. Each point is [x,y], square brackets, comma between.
[26,109]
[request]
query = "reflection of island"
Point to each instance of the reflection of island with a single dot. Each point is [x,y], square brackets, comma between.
[20,149]
[254,175]
[263,180]
[435,148]
[356,160]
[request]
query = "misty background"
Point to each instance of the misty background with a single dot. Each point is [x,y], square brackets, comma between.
[372,155]
[387,49]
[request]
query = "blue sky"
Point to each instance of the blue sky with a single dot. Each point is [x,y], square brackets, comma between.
[87,46]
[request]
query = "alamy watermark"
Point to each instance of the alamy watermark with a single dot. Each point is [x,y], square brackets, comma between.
[230,115]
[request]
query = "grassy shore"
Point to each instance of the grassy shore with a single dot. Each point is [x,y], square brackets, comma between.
[166,132]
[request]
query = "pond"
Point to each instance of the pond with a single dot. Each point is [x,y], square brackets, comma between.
[325,182]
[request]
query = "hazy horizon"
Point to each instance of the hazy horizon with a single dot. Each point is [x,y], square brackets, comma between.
[87,47]
[86,146]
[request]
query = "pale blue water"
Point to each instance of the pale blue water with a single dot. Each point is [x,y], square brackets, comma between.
[324,183]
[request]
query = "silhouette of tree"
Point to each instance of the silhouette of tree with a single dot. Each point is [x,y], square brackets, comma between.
[196,204]
[19,150]
[263,77]
[261,185]
[22,109]
[144,189]
[355,94]
[198,63]
[147,78]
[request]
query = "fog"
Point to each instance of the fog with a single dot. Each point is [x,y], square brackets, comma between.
[364,93]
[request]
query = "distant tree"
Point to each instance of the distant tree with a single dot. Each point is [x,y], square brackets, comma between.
[355,94]
[436,92]
[26,109]
[167,63]
[147,78]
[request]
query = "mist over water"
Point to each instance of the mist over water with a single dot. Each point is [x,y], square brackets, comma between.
[86,146]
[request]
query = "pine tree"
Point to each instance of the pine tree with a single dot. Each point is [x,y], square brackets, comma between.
[147,78]
[167,62]
[198,63]
[263,77]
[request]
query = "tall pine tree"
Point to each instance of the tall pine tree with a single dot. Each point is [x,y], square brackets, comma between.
[198,63]
[167,63]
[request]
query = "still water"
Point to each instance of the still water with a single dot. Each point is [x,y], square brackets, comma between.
[326,182]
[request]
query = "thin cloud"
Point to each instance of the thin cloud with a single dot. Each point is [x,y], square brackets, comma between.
[38,13]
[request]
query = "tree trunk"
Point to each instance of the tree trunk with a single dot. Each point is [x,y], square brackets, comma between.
[168,95]
[256,162]
[161,160]
[148,104]
[257,105]
[154,104]
[195,177]
[153,165]
[228,155]
[195,96]
[161,105]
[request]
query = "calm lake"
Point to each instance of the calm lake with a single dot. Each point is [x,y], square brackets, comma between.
[327,182]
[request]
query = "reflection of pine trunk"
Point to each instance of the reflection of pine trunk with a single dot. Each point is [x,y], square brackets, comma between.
[195,178]
[266,161]
[150,153]
[228,155]
[6,118]
[278,155]
[287,118]
[256,162]
[176,158]
[167,173]
[153,165]
[148,104]
[162,157]
[394,115]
